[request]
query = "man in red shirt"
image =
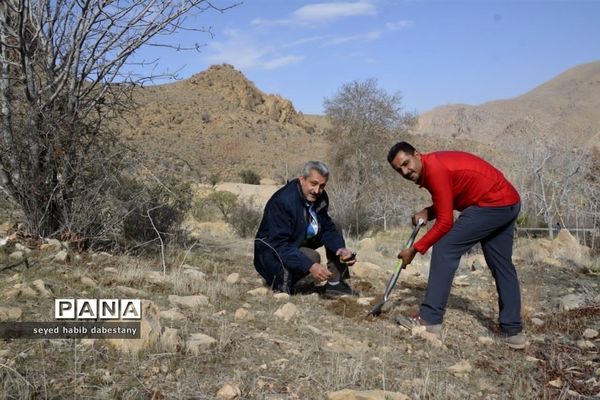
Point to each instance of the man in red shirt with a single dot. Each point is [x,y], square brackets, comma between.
[489,206]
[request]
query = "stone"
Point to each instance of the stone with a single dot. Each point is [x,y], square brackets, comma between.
[16,256]
[172,314]
[170,340]
[188,301]
[229,391]
[590,333]
[10,313]
[154,276]
[258,292]
[150,331]
[89,282]
[233,278]
[347,394]
[365,270]
[51,246]
[42,288]
[461,368]
[195,274]
[585,344]
[62,257]
[486,340]
[111,270]
[286,312]
[537,321]
[571,302]
[129,291]
[281,296]
[199,342]
[241,314]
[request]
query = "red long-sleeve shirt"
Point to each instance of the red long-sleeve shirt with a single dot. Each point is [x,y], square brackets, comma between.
[457,180]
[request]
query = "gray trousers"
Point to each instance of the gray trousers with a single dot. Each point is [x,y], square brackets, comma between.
[493,227]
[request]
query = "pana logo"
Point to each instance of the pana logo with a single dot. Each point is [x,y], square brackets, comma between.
[94,309]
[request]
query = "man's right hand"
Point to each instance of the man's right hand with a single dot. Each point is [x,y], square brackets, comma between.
[319,272]
[421,214]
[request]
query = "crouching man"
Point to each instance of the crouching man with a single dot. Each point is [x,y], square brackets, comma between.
[295,223]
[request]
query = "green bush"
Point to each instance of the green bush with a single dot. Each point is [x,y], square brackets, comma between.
[245,219]
[250,177]
[225,201]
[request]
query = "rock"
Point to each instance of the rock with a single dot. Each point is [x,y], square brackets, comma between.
[367,245]
[23,249]
[199,342]
[233,278]
[590,333]
[571,302]
[20,290]
[365,301]
[89,282]
[16,256]
[129,291]
[460,281]
[585,344]
[111,270]
[51,246]
[537,322]
[170,339]
[62,257]
[188,301]
[150,331]
[258,292]
[281,296]
[241,314]
[486,340]
[172,314]
[432,338]
[229,391]
[195,274]
[365,270]
[154,277]
[10,313]
[286,312]
[557,383]
[566,247]
[348,394]
[42,288]
[461,368]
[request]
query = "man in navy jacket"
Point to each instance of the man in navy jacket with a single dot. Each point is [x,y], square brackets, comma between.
[295,223]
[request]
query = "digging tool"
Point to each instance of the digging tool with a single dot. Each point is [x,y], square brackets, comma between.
[392,282]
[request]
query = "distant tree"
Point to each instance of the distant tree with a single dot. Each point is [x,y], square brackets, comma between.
[225,201]
[250,177]
[65,71]
[365,122]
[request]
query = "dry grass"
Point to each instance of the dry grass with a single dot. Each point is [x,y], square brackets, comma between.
[319,351]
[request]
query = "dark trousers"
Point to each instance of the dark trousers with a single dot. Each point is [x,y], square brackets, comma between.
[493,227]
[298,282]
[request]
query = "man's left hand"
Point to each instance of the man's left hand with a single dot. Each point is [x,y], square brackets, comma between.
[347,256]
[407,256]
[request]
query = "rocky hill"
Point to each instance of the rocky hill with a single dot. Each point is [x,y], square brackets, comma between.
[567,106]
[218,122]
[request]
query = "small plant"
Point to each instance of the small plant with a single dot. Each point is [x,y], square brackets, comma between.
[250,177]
[245,219]
[225,201]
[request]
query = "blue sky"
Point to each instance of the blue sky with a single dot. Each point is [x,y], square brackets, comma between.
[432,52]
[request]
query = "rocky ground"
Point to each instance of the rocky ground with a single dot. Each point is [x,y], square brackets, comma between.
[212,331]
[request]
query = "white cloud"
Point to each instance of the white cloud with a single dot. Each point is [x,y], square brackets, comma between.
[402,24]
[320,12]
[281,61]
[239,51]
[362,37]
[271,22]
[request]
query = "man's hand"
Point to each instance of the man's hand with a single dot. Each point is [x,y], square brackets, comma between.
[319,272]
[421,214]
[407,256]
[347,256]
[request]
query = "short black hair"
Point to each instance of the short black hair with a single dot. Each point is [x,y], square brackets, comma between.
[404,147]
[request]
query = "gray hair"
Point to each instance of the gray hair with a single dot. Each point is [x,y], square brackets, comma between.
[318,166]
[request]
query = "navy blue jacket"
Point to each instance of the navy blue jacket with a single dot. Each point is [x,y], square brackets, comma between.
[283,228]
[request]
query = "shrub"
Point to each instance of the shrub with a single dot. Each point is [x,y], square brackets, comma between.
[250,177]
[245,219]
[225,201]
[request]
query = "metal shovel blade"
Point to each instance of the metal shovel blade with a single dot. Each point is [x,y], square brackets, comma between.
[375,311]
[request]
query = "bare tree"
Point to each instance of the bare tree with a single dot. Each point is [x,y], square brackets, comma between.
[365,122]
[65,70]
